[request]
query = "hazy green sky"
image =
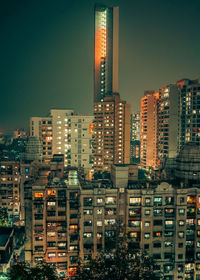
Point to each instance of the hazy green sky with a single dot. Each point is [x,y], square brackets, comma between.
[46,53]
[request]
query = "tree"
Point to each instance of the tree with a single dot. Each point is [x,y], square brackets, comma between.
[3,216]
[23,271]
[122,261]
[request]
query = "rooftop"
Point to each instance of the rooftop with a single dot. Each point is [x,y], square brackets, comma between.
[5,234]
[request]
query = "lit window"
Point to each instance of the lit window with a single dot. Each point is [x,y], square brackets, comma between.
[110,200]
[51,234]
[38,195]
[146,235]
[87,234]
[180,234]
[134,200]
[51,203]
[99,223]
[110,222]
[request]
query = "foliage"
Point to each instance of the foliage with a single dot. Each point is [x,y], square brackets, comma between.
[23,271]
[123,262]
[3,216]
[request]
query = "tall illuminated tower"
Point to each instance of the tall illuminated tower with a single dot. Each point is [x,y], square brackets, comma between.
[106,72]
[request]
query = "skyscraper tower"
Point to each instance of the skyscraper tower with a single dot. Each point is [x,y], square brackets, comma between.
[106,65]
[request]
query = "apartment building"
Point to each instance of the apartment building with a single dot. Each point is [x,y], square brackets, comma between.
[111,133]
[67,220]
[149,130]
[41,127]
[72,136]
[65,132]
[168,122]
[175,116]
[189,128]
[10,189]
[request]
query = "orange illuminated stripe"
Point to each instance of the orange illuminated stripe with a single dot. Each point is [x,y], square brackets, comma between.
[39,194]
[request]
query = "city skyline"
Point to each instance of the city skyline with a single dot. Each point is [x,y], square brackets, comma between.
[47,54]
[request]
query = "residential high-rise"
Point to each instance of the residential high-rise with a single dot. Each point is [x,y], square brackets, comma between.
[159,126]
[189,128]
[41,127]
[106,65]
[168,122]
[72,136]
[65,132]
[149,130]
[111,133]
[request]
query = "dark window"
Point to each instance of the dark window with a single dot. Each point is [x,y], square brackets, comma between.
[157,222]
[180,245]
[157,245]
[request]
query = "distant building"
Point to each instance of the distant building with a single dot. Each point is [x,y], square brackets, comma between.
[111,133]
[106,64]
[20,133]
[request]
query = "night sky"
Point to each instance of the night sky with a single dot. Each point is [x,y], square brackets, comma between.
[47,50]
